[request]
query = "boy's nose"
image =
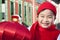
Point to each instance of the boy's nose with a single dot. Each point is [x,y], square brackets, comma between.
[45,19]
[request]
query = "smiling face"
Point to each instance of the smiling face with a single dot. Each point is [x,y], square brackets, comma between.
[46,18]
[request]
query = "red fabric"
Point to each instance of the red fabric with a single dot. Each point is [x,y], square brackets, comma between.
[46,5]
[13,31]
[39,33]
[15,17]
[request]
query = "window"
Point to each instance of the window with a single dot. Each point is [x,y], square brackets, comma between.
[3,16]
[30,16]
[3,1]
[25,13]
[12,8]
[20,10]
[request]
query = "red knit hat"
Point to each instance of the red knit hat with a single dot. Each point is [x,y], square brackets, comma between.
[47,5]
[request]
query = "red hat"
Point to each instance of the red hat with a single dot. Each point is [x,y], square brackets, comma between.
[47,5]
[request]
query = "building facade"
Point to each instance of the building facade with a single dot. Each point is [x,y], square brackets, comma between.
[25,9]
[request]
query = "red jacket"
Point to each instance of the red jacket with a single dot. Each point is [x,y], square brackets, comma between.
[39,33]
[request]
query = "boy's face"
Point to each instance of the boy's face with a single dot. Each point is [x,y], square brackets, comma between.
[46,18]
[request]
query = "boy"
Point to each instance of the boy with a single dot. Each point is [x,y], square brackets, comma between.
[44,28]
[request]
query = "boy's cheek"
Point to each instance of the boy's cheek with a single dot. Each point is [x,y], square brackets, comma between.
[39,19]
[51,21]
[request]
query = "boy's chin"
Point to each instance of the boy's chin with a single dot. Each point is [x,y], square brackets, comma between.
[45,26]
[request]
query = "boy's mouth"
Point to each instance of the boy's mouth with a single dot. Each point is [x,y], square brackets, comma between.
[45,24]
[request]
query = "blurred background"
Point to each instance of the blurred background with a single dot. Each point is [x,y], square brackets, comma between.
[26,10]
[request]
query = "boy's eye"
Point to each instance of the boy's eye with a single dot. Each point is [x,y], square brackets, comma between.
[50,16]
[42,16]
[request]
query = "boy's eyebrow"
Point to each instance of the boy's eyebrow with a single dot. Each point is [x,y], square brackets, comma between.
[50,15]
[41,14]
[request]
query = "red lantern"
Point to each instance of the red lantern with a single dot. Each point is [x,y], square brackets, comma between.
[13,31]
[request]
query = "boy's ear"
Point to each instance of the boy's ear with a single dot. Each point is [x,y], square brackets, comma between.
[37,18]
